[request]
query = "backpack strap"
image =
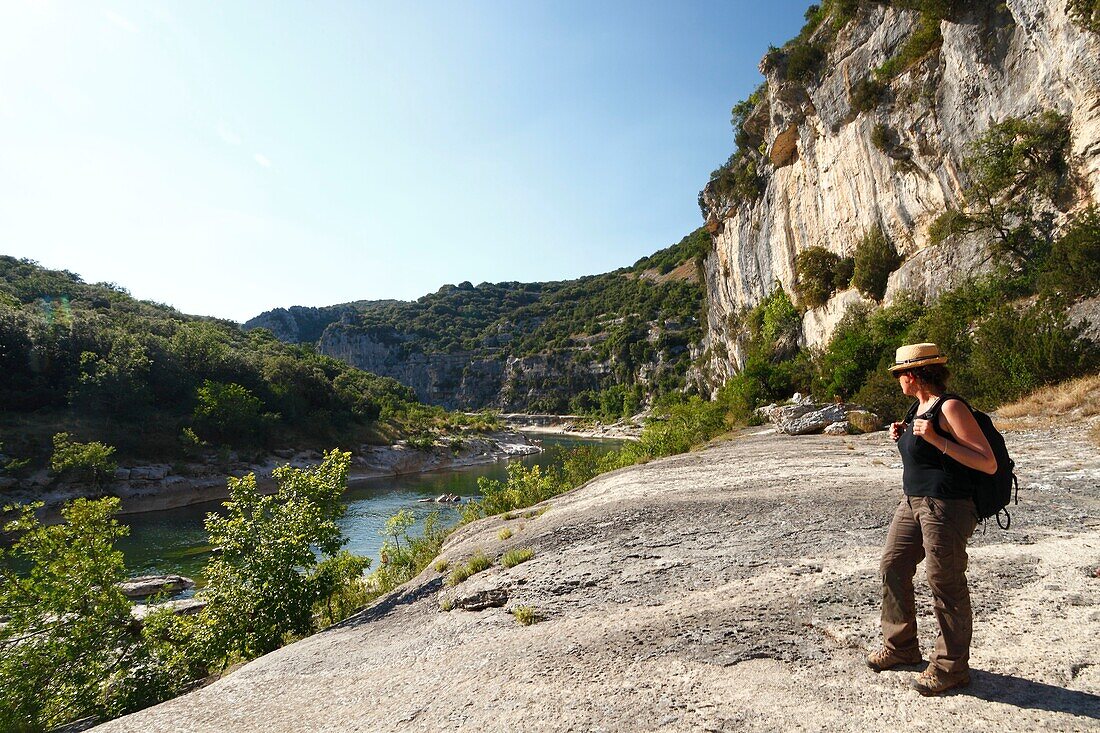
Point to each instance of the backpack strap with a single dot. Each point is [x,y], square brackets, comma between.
[912,413]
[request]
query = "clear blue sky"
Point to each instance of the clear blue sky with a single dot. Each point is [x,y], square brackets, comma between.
[230,157]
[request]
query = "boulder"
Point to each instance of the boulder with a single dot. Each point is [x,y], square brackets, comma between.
[804,419]
[837,428]
[182,607]
[148,473]
[481,599]
[149,585]
[864,421]
[121,474]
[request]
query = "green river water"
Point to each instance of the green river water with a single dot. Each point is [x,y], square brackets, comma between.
[174,541]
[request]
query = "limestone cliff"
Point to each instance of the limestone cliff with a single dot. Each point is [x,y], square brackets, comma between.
[826,184]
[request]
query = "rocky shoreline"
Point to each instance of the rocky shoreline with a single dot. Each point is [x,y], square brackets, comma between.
[157,487]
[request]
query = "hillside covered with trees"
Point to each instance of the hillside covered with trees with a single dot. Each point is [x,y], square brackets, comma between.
[92,361]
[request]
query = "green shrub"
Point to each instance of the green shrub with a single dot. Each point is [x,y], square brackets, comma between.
[92,462]
[737,181]
[1086,13]
[231,414]
[948,223]
[526,615]
[816,270]
[474,565]
[803,61]
[67,626]
[517,556]
[875,259]
[504,534]
[1016,168]
[880,137]
[279,555]
[842,274]
[867,94]
[1072,268]
[925,37]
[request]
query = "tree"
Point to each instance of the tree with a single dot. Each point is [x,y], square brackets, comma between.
[230,413]
[67,630]
[875,259]
[92,462]
[279,555]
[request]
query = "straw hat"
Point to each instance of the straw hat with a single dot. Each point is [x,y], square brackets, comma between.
[916,355]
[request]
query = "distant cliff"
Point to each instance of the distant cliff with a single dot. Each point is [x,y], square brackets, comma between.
[604,343]
[859,128]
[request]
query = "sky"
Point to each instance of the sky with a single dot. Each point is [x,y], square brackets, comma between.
[226,158]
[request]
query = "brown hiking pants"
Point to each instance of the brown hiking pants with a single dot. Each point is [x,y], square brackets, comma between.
[935,530]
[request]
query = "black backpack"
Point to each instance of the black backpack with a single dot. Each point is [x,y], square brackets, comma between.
[992,492]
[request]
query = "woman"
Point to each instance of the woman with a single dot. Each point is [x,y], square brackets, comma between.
[933,522]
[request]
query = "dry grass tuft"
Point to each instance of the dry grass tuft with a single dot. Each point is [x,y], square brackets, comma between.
[1077,399]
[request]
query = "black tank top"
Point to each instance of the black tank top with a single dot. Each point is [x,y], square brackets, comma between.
[926,470]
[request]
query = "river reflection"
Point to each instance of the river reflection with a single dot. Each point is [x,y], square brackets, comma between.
[174,541]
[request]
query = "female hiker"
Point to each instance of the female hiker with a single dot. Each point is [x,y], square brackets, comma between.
[933,522]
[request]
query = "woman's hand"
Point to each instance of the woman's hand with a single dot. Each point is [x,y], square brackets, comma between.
[896,429]
[923,429]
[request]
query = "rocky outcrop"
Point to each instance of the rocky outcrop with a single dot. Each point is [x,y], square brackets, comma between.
[730,589]
[827,185]
[150,585]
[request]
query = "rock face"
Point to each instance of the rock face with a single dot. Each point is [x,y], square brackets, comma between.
[730,589]
[835,185]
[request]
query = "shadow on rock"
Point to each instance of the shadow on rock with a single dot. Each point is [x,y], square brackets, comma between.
[382,608]
[1025,693]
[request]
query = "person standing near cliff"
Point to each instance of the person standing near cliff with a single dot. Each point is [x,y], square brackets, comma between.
[933,522]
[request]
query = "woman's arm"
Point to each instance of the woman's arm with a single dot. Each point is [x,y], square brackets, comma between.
[972,449]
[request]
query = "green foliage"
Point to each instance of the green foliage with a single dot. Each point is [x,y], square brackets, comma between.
[92,462]
[880,137]
[924,39]
[267,577]
[514,557]
[67,628]
[474,565]
[404,555]
[91,355]
[867,94]
[737,181]
[1072,269]
[1017,169]
[819,274]
[229,413]
[1086,13]
[526,615]
[948,223]
[803,61]
[875,259]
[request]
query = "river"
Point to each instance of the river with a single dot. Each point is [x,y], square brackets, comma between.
[174,540]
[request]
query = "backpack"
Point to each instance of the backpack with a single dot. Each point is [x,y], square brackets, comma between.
[992,492]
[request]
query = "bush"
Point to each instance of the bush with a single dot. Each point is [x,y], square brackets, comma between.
[816,270]
[875,259]
[1086,13]
[803,61]
[924,38]
[92,462]
[231,414]
[67,630]
[1072,269]
[737,181]
[279,556]
[880,137]
[867,94]
[517,556]
[945,225]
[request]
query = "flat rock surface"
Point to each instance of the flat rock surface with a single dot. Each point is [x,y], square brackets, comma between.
[729,589]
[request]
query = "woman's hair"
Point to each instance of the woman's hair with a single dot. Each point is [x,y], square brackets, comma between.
[934,375]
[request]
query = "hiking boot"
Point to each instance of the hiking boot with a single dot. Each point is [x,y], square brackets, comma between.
[885,658]
[933,681]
